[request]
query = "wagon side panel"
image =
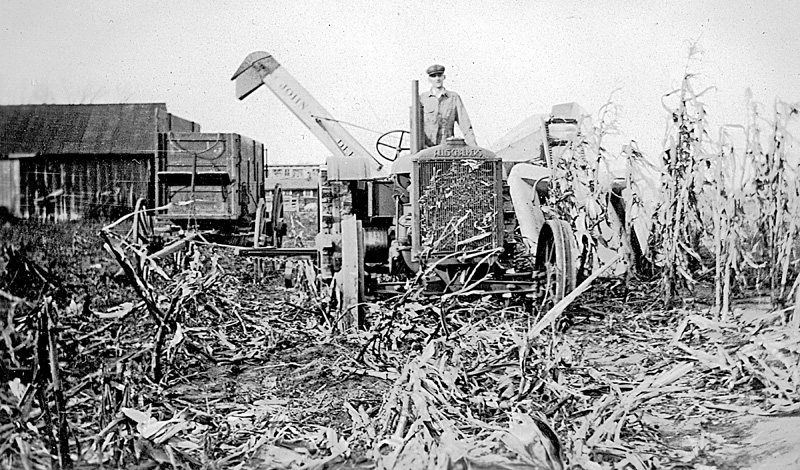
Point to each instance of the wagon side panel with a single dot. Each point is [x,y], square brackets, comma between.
[196,174]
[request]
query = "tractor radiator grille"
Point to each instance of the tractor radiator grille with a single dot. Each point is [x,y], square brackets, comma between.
[458,204]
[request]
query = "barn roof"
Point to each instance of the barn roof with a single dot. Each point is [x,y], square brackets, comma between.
[80,129]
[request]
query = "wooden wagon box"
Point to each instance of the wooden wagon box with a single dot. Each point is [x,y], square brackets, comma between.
[209,178]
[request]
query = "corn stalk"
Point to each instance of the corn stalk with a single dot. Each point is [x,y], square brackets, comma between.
[636,211]
[727,198]
[582,187]
[679,224]
[776,190]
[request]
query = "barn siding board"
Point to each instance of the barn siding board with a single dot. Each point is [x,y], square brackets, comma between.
[24,191]
[9,186]
[91,186]
[74,187]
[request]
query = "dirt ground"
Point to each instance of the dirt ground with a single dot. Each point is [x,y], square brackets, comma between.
[257,378]
[716,431]
[762,443]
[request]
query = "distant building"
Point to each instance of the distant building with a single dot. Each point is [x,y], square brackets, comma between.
[72,161]
[299,183]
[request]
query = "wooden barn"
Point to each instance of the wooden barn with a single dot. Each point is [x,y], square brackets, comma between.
[73,161]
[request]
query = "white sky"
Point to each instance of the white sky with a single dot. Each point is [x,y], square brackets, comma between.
[507,59]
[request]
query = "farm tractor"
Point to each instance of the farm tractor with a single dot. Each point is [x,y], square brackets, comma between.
[456,217]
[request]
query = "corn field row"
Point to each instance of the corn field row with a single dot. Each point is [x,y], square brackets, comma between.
[722,205]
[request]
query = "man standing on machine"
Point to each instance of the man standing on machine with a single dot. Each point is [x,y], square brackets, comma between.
[441,109]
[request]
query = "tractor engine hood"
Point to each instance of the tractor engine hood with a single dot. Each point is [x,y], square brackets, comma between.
[454,147]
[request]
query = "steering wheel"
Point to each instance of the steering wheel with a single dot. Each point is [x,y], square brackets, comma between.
[390,141]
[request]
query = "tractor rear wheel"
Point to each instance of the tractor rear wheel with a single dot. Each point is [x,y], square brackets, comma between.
[555,258]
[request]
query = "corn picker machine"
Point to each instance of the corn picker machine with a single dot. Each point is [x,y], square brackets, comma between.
[455,217]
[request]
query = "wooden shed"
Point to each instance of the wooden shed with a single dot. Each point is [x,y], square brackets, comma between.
[71,161]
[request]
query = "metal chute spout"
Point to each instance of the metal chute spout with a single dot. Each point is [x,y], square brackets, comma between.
[260,68]
[250,75]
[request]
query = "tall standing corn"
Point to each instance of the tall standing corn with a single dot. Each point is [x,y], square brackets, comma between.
[679,225]
[776,186]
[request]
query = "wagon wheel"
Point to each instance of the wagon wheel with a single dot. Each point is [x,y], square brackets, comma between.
[276,216]
[261,222]
[142,227]
[387,143]
[555,257]
[258,231]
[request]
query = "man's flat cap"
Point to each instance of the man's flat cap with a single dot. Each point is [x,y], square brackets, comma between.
[435,69]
